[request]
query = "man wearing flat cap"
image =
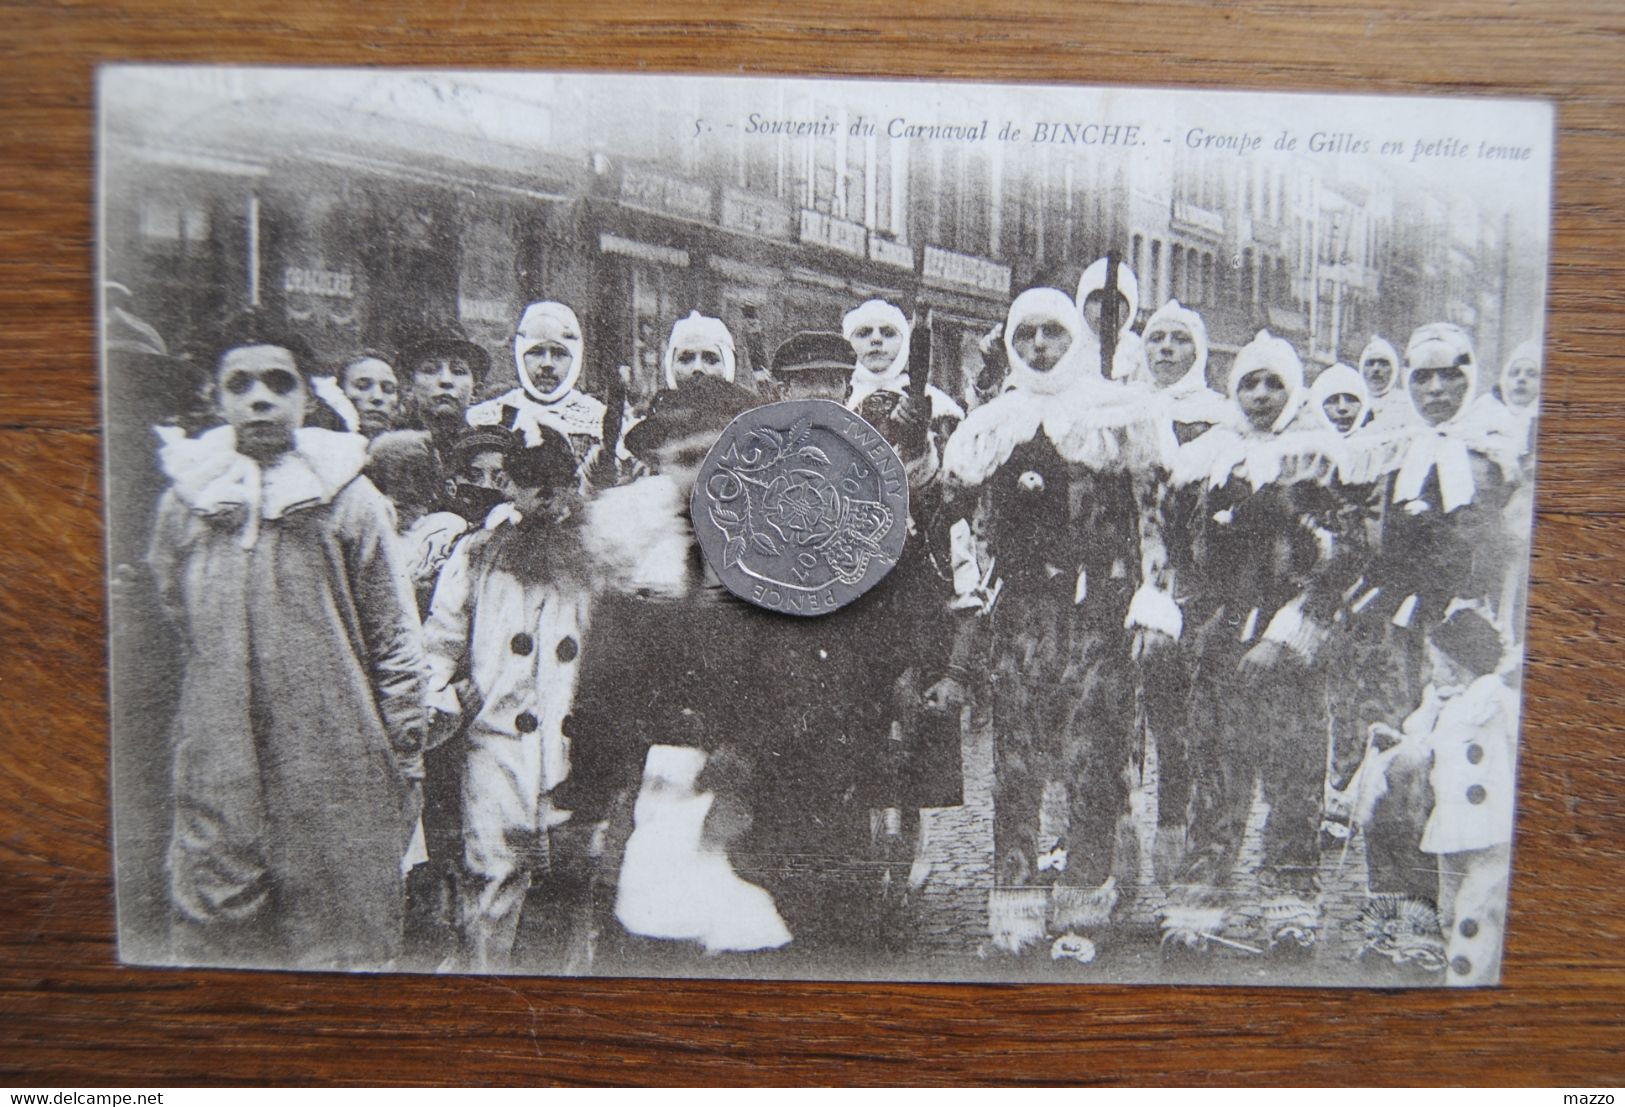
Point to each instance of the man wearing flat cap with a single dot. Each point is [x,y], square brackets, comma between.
[812,365]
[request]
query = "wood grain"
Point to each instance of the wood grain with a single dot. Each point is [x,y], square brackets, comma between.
[70,1015]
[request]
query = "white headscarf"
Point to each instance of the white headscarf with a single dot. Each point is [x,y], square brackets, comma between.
[1048,305]
[894,378]
[1094,280]
[1236,448]
[1195,378]
[1443,447]
[1266,351]
[1380,347]
[1440,345]
[1336,381]
[1526,353]
[1391,409]
[548,321]
[526,409]
[699,332]
[1128,359]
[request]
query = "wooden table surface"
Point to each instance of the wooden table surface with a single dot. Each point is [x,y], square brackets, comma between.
[70,1015]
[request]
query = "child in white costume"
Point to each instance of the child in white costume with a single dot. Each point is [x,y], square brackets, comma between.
[503,638]
[1465,730]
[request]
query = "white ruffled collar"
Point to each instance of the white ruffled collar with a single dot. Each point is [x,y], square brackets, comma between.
[1089,424]
[211,478]
[574,413]
[1224,452]
[1445,450]
[864,383]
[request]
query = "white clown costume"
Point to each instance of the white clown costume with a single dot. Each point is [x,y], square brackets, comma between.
[502,639]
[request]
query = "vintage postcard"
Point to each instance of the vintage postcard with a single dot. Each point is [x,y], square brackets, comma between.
[783,528]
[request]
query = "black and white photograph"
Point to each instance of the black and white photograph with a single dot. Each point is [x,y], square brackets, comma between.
[722,527]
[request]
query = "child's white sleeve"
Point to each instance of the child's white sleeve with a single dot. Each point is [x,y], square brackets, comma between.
[445,632]
[1418,725]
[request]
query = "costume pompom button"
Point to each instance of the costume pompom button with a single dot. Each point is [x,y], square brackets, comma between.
[522,644]
[567,649]
[1469,928]
[1476,794]
[525,723]
[1461,966]
[1475,754]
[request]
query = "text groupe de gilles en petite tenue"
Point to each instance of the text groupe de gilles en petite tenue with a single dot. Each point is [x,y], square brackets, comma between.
[1132,134]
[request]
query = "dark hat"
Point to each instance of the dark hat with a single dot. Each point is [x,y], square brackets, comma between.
[548,464]
[256,327]
[809,351]
[700,403]
[476,440]
[1469,639]
[449,339]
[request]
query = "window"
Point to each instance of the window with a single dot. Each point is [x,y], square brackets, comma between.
[852,192]
[976,205]
[883,187]
[180,223]
[824,178]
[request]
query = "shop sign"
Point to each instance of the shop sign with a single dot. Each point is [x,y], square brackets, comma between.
[645,188]
[967,270]
[740,272]
[336,284]
[1191,217]
[890,252]
[472,309]
[843,235]
[752,214]
[643,251]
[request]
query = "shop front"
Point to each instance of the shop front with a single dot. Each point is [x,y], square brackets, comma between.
[654,249]
[966,297]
